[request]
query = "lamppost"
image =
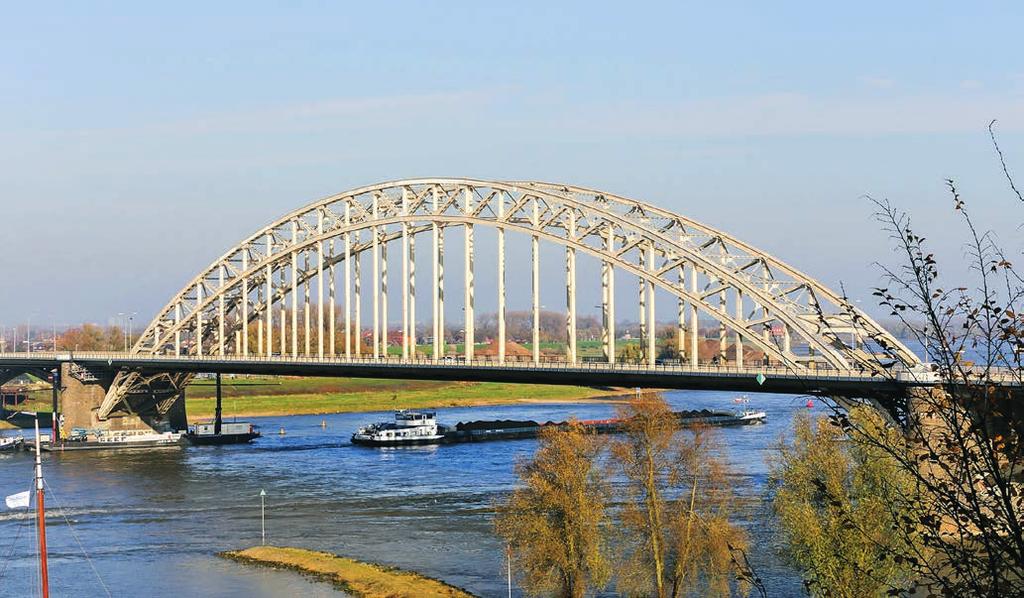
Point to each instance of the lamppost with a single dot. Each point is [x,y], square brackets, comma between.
[131,319]
[126,326]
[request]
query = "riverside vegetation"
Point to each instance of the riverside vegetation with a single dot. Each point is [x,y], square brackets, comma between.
[665,532]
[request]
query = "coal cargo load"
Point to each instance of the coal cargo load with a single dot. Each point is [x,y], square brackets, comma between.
[505,429]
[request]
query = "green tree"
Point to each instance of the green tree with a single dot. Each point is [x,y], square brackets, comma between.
[838,502]
[554,520]
[631,353]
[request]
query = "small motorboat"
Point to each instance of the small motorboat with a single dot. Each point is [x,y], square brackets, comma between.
[408,428]
[747,415]
[11,443]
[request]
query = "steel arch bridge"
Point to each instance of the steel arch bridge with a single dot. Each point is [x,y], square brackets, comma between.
[250,300]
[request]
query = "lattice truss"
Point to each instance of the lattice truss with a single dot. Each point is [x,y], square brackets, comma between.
[269,280]
[767,303]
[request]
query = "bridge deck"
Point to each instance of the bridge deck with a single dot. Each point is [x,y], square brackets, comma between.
[846,383]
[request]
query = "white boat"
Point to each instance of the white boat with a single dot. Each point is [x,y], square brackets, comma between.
[116,439]
[748,415]
[11,443]
[409,427]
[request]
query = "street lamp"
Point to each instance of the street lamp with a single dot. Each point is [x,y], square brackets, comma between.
[126,325]
[131,318]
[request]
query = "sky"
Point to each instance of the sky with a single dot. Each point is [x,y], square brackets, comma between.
[139,141]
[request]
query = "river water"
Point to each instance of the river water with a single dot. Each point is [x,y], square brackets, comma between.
[153,521]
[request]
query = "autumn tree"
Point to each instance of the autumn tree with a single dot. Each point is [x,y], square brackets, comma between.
[678,537]
[963,422]
[837,503]
[554,521]
[91,337]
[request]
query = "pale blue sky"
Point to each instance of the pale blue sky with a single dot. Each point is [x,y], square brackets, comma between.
[137,143]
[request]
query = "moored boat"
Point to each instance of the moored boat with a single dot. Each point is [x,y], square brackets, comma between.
[408,428]
[11,443]
[207,433]
[218,431]
[81,440]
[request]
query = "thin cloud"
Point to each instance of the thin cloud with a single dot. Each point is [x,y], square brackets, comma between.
[799,114]
[334,113]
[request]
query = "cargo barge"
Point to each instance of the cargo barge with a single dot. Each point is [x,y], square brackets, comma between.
[482,431]
[410,427]
[82,440]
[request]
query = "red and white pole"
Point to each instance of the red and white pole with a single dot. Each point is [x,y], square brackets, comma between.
[41,518]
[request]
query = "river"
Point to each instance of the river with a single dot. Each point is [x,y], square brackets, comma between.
[153,521]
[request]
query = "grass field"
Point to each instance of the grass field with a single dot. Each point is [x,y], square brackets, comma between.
[292,396]
[268,396]
[366,580]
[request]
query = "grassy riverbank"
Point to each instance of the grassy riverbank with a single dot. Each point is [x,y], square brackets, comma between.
[274,396]
[250,397]
[366,580]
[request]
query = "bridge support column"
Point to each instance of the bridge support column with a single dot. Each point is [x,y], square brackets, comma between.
[383,297]
[320,286]
[284,329]
[570,292]
[177,329]
[501,281]
[739,337]
[260,322]
[652,325]
[723,334]
[349,347]
[694,321]
[412,296]
[535,255]
[442,343]
[220,312]
[681,319]
[270,297]
[197,340]
[357,305]
[306,324]
[469,337]
[245,303]
[405,275]
[642,300]
[608,299]
[435,352]
[295,293]
[332,319]
[375,281]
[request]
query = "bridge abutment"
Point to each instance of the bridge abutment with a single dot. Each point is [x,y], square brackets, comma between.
[82,392]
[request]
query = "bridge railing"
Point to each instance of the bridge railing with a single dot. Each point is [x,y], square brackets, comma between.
[40,359]
[581,367]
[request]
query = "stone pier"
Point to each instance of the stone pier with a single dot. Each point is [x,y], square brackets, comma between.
[82,391]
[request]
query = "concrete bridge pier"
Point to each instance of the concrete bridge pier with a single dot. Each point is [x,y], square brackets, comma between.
[82,390]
